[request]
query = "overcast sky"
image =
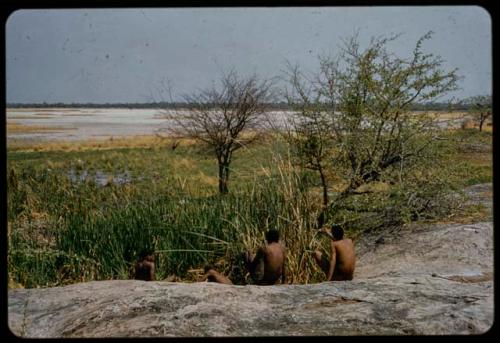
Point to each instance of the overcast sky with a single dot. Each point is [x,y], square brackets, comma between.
[122,55]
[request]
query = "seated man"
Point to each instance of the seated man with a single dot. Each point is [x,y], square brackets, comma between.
[145,268]
[269,263]
[214,276]
[340,266]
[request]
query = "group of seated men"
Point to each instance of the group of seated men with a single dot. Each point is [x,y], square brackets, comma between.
[267,266]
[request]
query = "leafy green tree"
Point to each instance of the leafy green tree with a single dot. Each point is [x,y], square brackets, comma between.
[360,104]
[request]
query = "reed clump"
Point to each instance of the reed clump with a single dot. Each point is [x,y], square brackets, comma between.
[93,232]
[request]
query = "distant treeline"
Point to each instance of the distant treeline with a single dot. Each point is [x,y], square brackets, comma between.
[153,105]
[438,106]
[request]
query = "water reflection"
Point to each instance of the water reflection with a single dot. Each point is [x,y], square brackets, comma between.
[99,177]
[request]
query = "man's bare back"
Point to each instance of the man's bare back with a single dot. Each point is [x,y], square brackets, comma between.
[273,256]
[340,266]
[268,265]
[345,259]
[145,269]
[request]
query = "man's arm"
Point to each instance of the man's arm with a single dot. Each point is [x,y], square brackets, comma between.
[333,260]
[258,257]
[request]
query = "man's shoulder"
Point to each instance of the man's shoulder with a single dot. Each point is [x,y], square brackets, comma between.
[276,245]
[273,247]
[346,242]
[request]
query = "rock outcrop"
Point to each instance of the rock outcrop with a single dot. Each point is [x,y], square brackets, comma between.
[426,280]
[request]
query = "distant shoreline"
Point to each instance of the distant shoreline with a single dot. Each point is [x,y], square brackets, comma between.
[143,106]
[272,106]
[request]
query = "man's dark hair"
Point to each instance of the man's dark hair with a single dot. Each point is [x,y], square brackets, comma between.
[145,252]
[272,236]
[337,231]
[208,267]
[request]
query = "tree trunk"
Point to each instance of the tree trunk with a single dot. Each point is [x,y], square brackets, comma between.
[325,187]
[481,122]
[322,216]
[223,177]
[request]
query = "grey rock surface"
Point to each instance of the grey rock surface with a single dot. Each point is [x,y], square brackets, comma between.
[424,280]
[444,250]
[434,281]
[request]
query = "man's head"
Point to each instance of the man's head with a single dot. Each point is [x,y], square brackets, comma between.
[147,254]
[208,267]
[337,232]
[272,236]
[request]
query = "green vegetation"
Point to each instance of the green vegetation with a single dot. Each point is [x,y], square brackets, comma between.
[63,231]
[352,120]
[356,155]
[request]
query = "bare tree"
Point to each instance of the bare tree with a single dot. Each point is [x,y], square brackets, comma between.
[225,118]
[480,108]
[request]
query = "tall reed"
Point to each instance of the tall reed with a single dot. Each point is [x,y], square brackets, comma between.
[97,233]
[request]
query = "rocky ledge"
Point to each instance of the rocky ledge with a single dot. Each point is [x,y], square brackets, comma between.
[432,280]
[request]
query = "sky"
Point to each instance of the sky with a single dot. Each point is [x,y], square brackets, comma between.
[135,55]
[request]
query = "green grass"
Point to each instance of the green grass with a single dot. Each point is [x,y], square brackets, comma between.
[63,232]
[469,167]
[91,232]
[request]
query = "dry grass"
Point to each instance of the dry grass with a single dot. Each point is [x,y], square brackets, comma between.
[21,128]
[184,164]
[487,194]
[36,109]
[471,215]
[374,187]
[79,114]
[478,159]
[487,127]
[39,116]
[446,115]
[468,125]
[204,179]
[143,141]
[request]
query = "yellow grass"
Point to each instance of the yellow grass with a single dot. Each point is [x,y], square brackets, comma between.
[467,217]
[446,115]
[21,128]
[140,141]
[374,187]
[79,114]
[35,109]
[478,159]
[207,180]
[46,116]
[184,164]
